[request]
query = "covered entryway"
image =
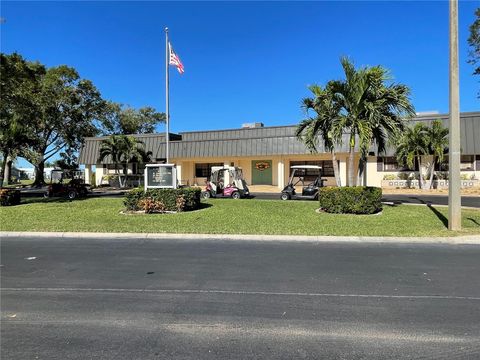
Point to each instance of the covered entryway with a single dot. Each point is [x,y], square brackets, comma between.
[261,172]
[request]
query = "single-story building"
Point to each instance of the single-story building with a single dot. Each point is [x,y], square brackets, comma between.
[266,153]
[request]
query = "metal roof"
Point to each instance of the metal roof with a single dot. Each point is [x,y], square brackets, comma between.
[264,141]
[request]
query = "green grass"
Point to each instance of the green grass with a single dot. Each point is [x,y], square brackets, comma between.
[225,216]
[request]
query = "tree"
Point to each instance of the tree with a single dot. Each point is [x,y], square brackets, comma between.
[411,145]
[321,125]
[437,137]
[419,141]
[474,42]
[124,149]
[18,84]
[66,107]
[112,146]
[368,109]
[132,150]
[120,120]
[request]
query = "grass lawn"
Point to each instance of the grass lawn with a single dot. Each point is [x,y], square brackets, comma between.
[226,216]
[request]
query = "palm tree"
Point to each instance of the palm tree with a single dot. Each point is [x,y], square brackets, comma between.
[437,145]
[112,146]
[321,125]
[131,150]
[370,110]
[411,145]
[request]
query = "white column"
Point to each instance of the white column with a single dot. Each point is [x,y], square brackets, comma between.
[88,173]
[281,174]
[98,175]
[179,173]
[342,169]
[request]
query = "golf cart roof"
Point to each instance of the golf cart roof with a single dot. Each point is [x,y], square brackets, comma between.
[305,167]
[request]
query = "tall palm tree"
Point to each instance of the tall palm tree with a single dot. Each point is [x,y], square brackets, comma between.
[411,145]
[131,150]
[370,109]
[437,145]
[321,125]
[112,146]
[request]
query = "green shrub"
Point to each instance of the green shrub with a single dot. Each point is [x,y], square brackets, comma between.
[9,197]
[351,200]
[389,177]
[184,199]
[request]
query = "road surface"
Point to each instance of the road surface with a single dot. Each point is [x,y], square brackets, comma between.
[179,299]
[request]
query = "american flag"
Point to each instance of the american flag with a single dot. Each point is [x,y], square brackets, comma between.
[175,60]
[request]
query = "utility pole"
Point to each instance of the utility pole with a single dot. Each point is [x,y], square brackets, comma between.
[454,198]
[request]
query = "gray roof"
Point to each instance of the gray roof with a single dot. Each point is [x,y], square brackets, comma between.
[264,141]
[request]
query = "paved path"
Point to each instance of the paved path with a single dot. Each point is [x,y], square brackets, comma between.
[191,299]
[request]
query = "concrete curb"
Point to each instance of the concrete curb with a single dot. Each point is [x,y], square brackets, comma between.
[458,240]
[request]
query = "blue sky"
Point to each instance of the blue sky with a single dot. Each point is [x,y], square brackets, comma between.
[244,61]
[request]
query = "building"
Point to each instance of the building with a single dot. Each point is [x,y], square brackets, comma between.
[266,153]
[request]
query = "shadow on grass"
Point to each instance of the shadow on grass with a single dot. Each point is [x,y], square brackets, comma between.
[474,221]
[43,200]
[204,205]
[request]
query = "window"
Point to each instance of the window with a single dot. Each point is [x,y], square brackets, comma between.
[205,169]
[466,162]
[327,167]
[390,163]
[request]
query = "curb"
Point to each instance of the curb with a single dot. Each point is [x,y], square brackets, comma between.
[458,240]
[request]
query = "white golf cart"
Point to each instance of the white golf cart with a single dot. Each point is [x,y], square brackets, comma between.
[226,181]
[310,179]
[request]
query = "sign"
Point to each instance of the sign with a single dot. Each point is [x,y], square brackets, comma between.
[262,165]
[158,176]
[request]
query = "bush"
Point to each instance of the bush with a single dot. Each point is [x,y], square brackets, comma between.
[9,197]
[351,200]
[184,199]
[389,177]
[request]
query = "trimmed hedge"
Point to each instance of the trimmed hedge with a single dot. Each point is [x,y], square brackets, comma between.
[9,197]
[351,200]
[183,199]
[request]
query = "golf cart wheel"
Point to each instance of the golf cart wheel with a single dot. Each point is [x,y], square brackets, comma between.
[205,194]
[46,194]
[72,194]
[285,196]
[235,195]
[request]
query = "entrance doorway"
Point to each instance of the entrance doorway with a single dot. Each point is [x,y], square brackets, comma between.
[261,172]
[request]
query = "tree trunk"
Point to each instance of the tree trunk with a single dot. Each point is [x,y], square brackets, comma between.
[336,171]
[4,165]
[351,175]
[39,174]
[8,171]
[361,172]
[432,172]
[420,176]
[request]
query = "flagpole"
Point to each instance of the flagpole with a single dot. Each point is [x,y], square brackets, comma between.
[167,110]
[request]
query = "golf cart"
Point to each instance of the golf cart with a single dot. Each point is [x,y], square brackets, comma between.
[310,177]
[226,181]
[69,184]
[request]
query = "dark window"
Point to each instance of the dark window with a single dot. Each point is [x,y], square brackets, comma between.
[327,167]
[205,169]
[390,163]
[467,162]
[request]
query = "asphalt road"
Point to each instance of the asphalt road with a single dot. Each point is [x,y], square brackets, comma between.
[179,299]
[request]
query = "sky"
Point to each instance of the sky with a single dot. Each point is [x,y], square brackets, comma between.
[244,61]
